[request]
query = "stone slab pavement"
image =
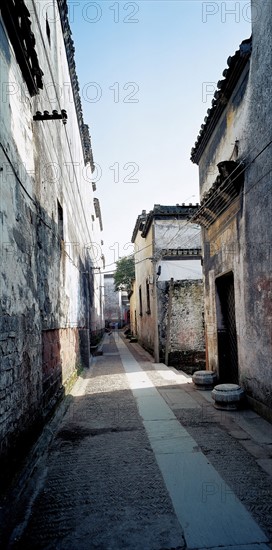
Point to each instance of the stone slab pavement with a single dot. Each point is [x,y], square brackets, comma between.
[140,459]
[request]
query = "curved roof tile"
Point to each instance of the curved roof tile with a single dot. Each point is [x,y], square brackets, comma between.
[225,87]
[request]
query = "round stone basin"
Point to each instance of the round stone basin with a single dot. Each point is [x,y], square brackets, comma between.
[204,379]
[227,396]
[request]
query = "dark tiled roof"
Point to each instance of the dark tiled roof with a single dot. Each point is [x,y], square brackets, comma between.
[144,220]
[70,52]
[139,225]
[18,25]
[98,212]
[231,74]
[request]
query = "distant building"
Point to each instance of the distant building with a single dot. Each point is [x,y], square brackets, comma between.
[167,299]
[233,152]
[116,303]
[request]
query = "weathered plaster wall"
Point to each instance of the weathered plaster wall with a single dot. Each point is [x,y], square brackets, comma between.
[182,324]
[180,269]
[224,241]
[224,253]
[232,127]
[240,239]
[144,272]
[256,344]
[176,233]
[47,271]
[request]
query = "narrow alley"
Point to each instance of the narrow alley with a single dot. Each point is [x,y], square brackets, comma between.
[120,298]
[137,458]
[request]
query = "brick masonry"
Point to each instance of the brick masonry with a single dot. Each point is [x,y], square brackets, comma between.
[186,338]
[50,299]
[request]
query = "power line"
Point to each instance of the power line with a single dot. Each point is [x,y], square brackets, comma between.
[219,192]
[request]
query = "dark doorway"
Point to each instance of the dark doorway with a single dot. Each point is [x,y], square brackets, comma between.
[226,330]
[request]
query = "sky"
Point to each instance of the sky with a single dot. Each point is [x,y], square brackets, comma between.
[147,72]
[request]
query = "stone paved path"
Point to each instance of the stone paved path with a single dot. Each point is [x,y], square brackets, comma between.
[141,460]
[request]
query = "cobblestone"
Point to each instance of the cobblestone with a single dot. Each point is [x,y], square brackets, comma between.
[103,488]
[97,484]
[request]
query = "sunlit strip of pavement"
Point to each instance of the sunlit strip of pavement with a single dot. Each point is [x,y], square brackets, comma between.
[209,513]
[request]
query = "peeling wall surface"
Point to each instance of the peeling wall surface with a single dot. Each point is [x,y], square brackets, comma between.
[50,237]
[183,320]
[237,245]
[256,340]
[176,233]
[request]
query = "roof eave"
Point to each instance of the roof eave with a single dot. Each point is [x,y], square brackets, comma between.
[237,64]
